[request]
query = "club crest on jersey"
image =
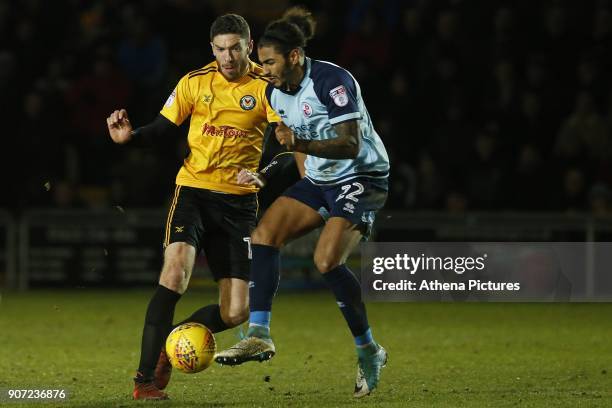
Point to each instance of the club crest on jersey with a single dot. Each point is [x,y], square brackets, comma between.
[247,102]
[338,95]
[207,98]
[170,99]
[307,109]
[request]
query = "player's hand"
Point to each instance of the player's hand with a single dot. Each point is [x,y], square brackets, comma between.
[285,136]
[250,178]
[119,126]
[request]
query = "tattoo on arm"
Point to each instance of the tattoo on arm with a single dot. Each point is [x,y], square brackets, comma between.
[345,146]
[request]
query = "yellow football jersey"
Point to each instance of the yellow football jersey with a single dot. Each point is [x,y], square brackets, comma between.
[228,120]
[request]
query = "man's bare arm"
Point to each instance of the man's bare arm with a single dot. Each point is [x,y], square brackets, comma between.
[345,146]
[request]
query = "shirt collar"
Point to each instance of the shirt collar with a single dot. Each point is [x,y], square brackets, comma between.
[307,66]
[243,79]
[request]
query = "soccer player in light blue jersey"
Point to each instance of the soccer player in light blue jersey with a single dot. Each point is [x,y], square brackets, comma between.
[323,116]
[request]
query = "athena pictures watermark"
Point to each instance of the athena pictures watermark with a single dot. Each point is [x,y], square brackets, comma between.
[487,271]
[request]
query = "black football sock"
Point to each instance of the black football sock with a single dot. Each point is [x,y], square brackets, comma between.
[209,316]
[158,322]
[265,276]
[347,290]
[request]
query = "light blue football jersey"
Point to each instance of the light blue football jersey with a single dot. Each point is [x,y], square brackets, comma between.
[328,95]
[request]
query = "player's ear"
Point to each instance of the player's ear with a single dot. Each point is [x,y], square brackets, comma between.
[294,56]
[250,46]
[212,48]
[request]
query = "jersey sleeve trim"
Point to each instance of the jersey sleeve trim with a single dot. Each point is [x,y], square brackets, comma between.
[335,88]
[165,115]
[345,118]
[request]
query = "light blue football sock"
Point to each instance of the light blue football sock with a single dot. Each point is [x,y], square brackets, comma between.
[365,344]
[259,324]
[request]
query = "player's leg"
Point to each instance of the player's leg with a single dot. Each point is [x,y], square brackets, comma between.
[338,238]
[286,219]
[234,301]
[178,263]
[290,216]
[352,212]
[227,219]
[232,309]
[179,256]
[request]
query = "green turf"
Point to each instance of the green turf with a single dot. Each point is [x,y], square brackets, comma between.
[441,355]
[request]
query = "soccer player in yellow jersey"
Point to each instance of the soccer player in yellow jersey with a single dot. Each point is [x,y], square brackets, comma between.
[210,210]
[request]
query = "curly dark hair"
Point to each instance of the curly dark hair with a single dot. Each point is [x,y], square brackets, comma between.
[293,30]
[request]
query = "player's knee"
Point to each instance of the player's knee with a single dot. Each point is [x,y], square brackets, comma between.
[232,317]
[262,235]
[173,281]
[325,263]
[173,276]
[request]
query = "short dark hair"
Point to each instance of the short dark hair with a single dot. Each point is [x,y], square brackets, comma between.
[292,31]
[230,24]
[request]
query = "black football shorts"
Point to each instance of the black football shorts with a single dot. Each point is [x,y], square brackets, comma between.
[358,200]
[219,224]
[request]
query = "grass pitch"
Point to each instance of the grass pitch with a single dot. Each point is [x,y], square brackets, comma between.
[440,355]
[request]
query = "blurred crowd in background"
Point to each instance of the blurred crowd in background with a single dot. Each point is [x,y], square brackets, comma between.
[482,105]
